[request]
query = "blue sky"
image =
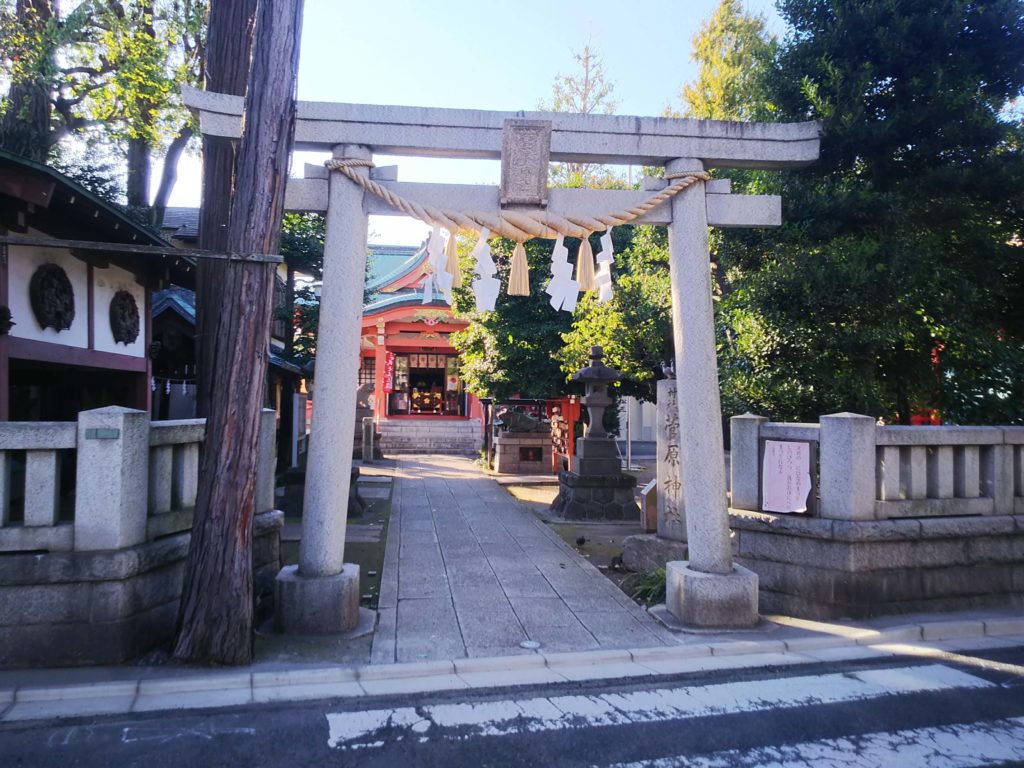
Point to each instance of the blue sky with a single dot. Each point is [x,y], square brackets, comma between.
[486,55]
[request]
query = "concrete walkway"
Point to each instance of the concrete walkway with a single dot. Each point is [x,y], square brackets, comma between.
[470,572]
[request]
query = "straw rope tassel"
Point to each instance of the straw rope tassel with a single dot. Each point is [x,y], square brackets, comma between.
[519,277]
[585,265]
[452,265]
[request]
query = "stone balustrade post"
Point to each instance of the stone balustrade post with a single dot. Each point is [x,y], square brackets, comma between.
[847,467]
[744,461]
[1002,478]
[266,461]
[111,497]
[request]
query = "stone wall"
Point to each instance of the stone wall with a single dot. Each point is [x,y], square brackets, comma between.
[107,607]
[826,569]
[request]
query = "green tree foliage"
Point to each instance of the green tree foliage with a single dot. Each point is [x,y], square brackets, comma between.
[635,327]
[897,282]
[106,71]
[732,51]
[302,246]
[511,351]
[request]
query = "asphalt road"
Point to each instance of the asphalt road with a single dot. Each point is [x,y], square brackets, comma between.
[965,709]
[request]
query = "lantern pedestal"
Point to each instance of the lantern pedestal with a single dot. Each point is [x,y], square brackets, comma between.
[607,497]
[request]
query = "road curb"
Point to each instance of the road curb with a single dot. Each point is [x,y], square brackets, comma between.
[213,690]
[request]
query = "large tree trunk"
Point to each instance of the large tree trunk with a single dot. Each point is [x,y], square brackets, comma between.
[25,127]
[217,603]
[229,38]
[168,176]
[137,181]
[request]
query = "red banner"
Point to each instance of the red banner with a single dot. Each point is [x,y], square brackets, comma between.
[389,371]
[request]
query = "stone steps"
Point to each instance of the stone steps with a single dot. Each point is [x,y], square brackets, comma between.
[456,437]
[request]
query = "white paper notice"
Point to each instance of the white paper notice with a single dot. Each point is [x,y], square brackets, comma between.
[785,476]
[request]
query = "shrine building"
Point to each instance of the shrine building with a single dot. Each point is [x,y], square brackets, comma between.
[420,403]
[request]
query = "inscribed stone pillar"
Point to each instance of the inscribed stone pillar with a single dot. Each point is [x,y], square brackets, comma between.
[337,367]
[700,414]
[671,517]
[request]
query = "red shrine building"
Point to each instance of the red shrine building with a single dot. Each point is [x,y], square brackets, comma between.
[419,402]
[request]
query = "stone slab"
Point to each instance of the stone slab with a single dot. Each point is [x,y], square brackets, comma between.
[648,552]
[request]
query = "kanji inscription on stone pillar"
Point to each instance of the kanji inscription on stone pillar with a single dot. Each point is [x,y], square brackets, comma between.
[671,518]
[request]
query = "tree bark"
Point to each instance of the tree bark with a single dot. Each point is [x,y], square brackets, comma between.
[217,602]
[229,39]
[25,127]
[168,176]
[137,181]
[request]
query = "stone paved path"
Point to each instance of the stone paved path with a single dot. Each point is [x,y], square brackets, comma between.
[469,571]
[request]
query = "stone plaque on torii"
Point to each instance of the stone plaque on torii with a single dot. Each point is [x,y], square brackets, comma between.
[709,589]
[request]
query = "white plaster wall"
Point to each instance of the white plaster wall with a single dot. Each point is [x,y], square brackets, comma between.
[22,262]
[107,282]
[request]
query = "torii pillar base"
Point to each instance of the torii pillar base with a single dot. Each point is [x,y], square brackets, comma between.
[698,599]
[317,605]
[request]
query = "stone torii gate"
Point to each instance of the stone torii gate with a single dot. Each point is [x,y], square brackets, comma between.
[321,594]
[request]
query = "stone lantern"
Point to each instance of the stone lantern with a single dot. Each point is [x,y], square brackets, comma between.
[596,489]
[596,452]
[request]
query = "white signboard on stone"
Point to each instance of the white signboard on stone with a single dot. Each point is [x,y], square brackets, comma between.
[785,476]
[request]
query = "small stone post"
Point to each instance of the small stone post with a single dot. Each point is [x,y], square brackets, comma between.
[367,427]
[745,460]
[112,478]
[847,467]
[708,590]
[321,594]
[267,461]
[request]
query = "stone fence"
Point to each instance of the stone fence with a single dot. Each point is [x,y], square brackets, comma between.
[899,519]
[95,518]
[867,472]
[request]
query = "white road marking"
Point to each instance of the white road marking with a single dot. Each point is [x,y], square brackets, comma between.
[357,730]
[952,746]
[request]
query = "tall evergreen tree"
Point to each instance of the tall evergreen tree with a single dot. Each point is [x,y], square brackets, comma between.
[896,284]
[732,51]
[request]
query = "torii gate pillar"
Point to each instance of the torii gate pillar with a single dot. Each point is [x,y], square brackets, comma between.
[708,590]
[321,594]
